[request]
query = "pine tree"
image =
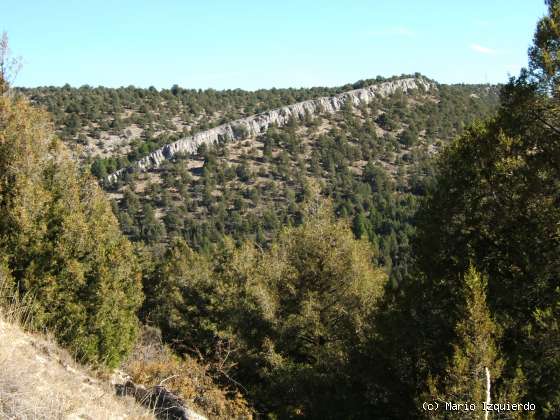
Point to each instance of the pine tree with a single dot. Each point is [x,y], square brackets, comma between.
[474,371]
[475,359]
[494,202]
[473,374]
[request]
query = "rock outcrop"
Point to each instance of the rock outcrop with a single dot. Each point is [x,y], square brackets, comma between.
[258,124]
[163,403]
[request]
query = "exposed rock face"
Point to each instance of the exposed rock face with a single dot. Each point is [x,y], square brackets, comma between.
[258,124]
[164,403]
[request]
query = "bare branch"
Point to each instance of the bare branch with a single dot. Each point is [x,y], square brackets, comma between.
[9,66]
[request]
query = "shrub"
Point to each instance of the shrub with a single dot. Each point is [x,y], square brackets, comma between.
[62,241]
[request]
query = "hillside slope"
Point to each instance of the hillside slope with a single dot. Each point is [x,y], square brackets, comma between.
[369,149]
[38,380]
[258,124]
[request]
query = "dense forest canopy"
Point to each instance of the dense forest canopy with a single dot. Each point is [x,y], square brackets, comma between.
[348,265]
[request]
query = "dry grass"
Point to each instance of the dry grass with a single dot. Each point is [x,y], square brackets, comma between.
[38,380]
[152,363]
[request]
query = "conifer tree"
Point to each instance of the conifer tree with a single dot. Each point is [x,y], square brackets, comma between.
[62,242]
[474,371]
[494,202]
[475,363]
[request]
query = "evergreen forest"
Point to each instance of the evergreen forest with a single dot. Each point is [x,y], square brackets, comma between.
[357,264]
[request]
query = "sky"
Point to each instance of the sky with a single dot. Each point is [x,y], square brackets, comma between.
[264,44]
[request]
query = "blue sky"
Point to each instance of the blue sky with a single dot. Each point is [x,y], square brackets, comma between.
[264,44]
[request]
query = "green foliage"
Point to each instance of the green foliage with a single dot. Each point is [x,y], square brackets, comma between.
[86,109]
[543,54]
[326,288]
[231,189]
[495,203]
[476,349]
[408,137]
[62,241]
[240,131]
[288,317]
[475,358]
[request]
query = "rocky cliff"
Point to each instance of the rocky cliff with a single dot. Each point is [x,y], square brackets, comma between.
[255,125]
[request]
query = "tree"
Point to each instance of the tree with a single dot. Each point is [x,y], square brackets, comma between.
[475,363]
[9,66]
[179,298]
[359,225]
[297,311]
[544,61]
[62,242]
[377,178]
[408,137]
[290,316]
[386,121]
[99,168]
[152,229]
[494,202]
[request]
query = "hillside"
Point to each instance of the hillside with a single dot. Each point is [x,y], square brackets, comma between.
[369,149]
[384,249]
[41,381]
[132,121]
[222,213]
[258,124]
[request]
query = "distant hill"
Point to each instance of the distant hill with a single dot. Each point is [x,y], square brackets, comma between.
[371,156]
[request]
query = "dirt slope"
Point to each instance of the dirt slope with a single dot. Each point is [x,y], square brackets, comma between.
[40,381]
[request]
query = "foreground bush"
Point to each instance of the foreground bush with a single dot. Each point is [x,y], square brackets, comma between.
[281,325]
[62,242]
[152,363]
